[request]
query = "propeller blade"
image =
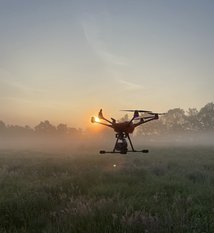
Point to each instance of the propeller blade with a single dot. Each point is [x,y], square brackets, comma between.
[156,113]
[135,111]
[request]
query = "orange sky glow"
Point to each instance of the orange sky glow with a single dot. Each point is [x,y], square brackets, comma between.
[63,61]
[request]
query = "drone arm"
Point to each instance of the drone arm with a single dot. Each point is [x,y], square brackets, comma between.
[104,124]
[136,114]
[131,120]
[106,120]
[143,121]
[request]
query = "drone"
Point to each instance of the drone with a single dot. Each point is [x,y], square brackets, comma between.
[123,129]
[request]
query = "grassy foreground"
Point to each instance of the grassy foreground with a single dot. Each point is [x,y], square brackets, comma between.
[168,190]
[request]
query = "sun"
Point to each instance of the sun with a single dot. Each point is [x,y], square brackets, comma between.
[96,119]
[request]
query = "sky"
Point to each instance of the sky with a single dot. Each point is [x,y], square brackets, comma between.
[64,60]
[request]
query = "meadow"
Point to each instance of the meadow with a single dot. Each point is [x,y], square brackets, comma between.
[167,190]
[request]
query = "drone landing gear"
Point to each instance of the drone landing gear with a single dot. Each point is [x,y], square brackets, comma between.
[121,146]
[118,152]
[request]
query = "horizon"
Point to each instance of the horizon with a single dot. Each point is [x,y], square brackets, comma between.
[63,61]
[100,127]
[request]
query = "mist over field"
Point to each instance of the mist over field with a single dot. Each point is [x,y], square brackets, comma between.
[175,128]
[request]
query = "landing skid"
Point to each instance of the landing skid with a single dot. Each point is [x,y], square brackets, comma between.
[119,152]
[121,146]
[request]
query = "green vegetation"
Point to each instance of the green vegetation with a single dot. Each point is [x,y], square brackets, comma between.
[168,190]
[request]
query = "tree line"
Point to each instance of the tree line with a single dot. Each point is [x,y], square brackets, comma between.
[44,128]
[178,121]
[174,121]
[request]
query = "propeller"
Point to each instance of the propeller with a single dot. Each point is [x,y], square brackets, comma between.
[137,116]
[156,113]
[136,111]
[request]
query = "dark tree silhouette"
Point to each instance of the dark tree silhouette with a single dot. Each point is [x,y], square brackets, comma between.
[62,129]
[74,131]
[194,123]
[124,118]
[45,127]
[206,117]
[3,128]
[176,120]
[2,125]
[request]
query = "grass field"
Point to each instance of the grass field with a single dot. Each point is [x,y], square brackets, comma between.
[167,190]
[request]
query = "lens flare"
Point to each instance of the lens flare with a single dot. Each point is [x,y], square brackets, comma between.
[96,119]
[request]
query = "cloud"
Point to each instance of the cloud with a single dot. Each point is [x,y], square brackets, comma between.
[117,64]
[94,38]
[130,85]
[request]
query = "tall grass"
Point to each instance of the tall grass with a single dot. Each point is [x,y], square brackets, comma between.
[169,190]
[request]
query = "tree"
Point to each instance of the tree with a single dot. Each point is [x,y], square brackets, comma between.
[45,127]
[206,116]
[3,127]
[193,120]
[73,131]
[175,120]
[124,118]
[62,129]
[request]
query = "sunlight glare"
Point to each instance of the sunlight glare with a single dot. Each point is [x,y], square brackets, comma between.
[97,119]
